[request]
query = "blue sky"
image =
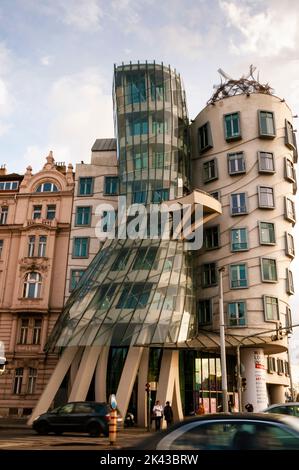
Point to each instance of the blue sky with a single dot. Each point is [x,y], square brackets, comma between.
[57,56]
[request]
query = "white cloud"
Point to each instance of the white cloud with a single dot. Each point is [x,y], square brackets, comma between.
[47,60]
[7,100]
[266,33]
[187,43]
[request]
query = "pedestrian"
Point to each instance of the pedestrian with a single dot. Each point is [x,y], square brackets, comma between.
[158,413]
[249,407]
[168,414]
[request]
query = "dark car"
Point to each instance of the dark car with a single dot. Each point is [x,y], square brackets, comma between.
[224,431]
[89,417]
[290,408]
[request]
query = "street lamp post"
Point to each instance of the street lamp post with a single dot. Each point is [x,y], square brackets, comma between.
[222,344]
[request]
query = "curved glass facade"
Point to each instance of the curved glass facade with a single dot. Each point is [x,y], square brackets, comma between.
[140,292]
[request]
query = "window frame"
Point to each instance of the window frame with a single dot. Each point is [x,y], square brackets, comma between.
[18,381]
[210,275]
[260,222]
[204,165]
[262,170]
[289,135]
[53,185]
[266,135]
[42,246]
[290,282]
[37,283]
[266,318]
[73,248]
[3,214]
[289,165]
[246,204]
[230,158]
[290,251]
[210,306]
[72,271]
[51,209]
[231,239]
[262,206]
[232,265]
[270,281]
[37,209]
[234,302]
[238,136]
[208,229]
[91,186]
[88,224]
[218,198]
[116,178]
[208,138]
[291,217]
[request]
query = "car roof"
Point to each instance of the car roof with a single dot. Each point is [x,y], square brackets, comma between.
[289,403]
[87,403]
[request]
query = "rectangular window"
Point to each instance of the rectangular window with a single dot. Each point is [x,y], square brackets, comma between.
[238,276]
[267,233]
[212,237]
[271,308]
[160,195]
[236,313]
[290,246]
[266,162]
[236,163]
[266,124]
[1,248]
[232,126]
[290,213]
[42,244]
[280,366]
[215,195]
[205,141]
[17,388]
[205,312]
[24,328]
[266,197]
[121,260]
[9,185]
[51,212]
[158,160]
[290,282]
[76,275]
[139,192]
[31,380]
[80,247]
[288,320]
[85,186]
[209,275]
[3,215]
[37,212]
[210,171]
[290,173]
[37,330]
[159,127]
[134,295]
[111,185]
[140,161]
[269,270]
[136,89]
[31,245]
[289,136]
[239,239]
[238,204]
[271,364]
[145,258]
[83,215]
[139,127]
[287,370]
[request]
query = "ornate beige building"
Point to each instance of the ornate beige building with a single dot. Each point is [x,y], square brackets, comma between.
[35,215]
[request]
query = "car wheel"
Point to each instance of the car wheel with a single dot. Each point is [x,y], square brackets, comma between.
[42,428]
[94,429]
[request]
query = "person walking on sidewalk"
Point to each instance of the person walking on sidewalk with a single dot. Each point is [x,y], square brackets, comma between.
[168,414]
[158,413]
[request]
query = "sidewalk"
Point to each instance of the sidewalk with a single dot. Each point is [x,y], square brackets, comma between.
[14,423]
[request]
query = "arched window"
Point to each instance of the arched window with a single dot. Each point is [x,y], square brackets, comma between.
[32,285]
[47,187]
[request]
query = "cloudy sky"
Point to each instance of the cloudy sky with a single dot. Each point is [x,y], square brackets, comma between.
[57,56]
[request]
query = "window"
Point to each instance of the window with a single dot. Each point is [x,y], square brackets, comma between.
[280,366]
[37,212]
[205,312]
[139,192]
[111,185]
[9,185]
[137,127]
[287,370]
[269,271]
[271,364]
[145,258]
[140,161]
[136,89]
[210,171]
[1,248]
[32,285]
[238,276]
[76,275]
[83,215]
[239,239]
[290,213]
[267,233]
[17,388]
[47,188]
[266,124]
[232,126]
[238,204]
[236,313]
[134,295]
[157,90]
[105,296]
[31,245]
[212,237]
[236,163]
[121,260]
[80,247]
[85,186]
[160,195]
[271,308]
[266,197]
[37,329]
[158,160]
[209,275]
[24,328]
[3,215]
[290,282]
[288,323]
[51,211]
[266,162]
[215,195]
[289,136]
[290,173]
[42,243]
[290,246]
[159,127]
[205,141]
[31,380]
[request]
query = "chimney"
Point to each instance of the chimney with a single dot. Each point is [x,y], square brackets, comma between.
[3,170]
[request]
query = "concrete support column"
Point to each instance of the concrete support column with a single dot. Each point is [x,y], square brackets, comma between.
[127,379]
[142,380]
[101,375]
[277,394]
[85,372]
[13,335]
[254,364]
[74,369]
[54,383]
[44,335]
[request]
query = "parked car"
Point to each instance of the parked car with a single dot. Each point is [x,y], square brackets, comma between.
[89,417]
[223,431]
[284,408]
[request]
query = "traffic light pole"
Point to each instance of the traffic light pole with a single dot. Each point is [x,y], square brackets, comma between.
[222,345]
